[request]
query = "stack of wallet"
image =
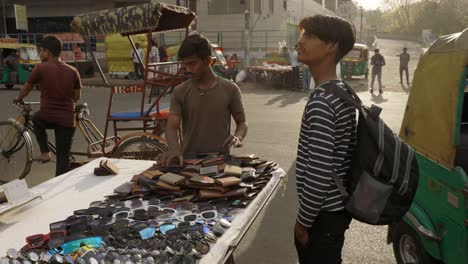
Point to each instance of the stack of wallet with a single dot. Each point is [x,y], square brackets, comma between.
[237,177]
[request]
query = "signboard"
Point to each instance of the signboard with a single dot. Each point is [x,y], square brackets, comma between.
[21,17]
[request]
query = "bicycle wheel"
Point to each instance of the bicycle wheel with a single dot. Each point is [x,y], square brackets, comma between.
[140,148]
[15,152]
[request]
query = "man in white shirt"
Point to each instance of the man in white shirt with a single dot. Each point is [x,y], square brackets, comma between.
[293,61]
[137,66]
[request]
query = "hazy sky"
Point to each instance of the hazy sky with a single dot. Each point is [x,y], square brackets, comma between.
[371,4]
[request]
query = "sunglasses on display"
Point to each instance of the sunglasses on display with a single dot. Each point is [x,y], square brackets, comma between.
[75,245]
[39,240]
[206,215]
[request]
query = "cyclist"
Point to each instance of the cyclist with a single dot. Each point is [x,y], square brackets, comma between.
[60,87]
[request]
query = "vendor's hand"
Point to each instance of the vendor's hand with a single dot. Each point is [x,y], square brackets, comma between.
[232,141]
[301,234]
[165,159]
[18,101]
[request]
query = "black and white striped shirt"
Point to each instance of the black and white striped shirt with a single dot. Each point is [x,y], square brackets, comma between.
[326,142]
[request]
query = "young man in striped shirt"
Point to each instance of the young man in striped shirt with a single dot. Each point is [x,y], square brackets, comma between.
[326,142]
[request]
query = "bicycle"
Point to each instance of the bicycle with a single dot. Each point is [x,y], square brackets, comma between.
[16,145]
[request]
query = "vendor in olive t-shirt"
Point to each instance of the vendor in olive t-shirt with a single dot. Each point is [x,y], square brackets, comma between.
[60,86]
[203,105]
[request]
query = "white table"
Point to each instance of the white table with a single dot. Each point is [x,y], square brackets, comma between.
[78,188]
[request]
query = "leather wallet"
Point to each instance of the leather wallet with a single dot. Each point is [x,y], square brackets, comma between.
[210,194]
[109,166]
[152,174]
[232,170]
[202,180]
[236,193]
[193,161]
[209,170]
[172,178]
[167,186]
[228,181]
[192,168]
[124,188]
[213,161]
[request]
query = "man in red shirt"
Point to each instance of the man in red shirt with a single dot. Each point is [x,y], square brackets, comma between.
[60,87]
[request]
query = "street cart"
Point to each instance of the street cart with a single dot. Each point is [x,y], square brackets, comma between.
[66,196]
[435,124]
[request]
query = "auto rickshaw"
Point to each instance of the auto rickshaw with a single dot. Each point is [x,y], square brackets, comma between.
[27,55]
[435,124]
[356,62]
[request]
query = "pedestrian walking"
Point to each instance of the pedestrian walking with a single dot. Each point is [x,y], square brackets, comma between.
[60,86]
[293,61]
[377,62]
[404,61]
[326,141]
[137,66]
[154,52]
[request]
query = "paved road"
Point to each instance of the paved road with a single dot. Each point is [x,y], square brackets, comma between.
[274,119]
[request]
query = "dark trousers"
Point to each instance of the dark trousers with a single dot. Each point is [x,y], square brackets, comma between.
[326,239]
[376,72]
[138,69]
[404,69]
[295,77]
[63,142]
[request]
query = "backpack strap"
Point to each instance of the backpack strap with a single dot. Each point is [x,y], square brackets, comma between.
[353,99]
[340,185]
[347,94]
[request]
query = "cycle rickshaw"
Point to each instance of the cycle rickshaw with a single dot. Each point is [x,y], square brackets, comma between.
[147,142]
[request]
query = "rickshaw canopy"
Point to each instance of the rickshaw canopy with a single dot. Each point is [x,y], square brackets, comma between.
[433,109]
[137,19]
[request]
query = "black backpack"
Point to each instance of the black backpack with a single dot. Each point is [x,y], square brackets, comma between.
[384,172]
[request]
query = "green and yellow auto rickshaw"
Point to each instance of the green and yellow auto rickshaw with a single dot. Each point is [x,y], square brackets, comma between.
[27,57]
[355,63]
[435,230]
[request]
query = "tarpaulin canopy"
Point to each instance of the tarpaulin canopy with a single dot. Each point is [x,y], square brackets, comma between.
[135,19]
[435,100]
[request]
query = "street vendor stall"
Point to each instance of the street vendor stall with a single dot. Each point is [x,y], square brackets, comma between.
[273,74]
[63,196]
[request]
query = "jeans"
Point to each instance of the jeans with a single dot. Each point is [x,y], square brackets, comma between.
[404,69]
[376,72]
[138,69]
[63,142]
[326,239]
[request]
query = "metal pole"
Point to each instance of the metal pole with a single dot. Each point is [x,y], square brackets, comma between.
[4,18]
[247,33]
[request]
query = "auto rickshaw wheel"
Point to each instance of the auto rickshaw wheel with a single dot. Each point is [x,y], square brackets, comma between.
[407,246]
[9,86]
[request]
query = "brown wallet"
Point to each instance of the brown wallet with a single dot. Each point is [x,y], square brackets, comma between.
[188,174]
[172,178]
[166,186]
[210,194]
[228,181]
[201,180]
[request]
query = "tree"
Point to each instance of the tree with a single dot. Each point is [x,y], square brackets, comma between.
[402,9]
